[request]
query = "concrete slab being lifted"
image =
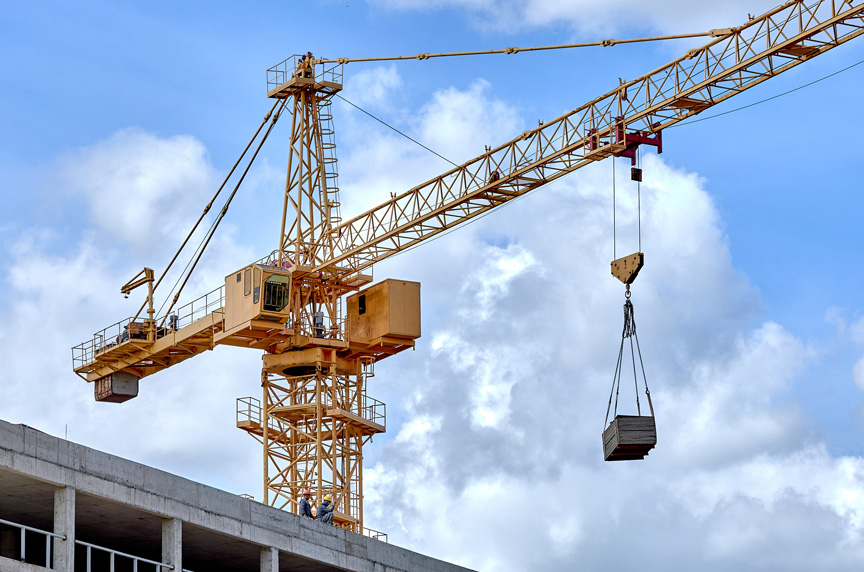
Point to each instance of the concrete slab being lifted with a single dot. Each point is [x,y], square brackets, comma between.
[83,496]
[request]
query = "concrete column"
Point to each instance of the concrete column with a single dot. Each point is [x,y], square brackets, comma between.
[172,543]
[269,559]
[64,523]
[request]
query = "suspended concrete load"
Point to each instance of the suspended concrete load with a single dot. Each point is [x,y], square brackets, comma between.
[629,437]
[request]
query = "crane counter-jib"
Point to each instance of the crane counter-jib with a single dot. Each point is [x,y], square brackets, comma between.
[130,344]
[612,124]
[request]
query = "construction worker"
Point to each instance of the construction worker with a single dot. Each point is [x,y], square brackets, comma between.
[325,511]
[304,65]
[305,507]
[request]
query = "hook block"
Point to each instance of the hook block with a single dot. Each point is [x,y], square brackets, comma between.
[625,269]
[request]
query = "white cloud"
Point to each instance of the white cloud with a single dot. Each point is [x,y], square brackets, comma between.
[858,373]
[373,87]
[593,19]
[516,370]
[456,123]
[142,190]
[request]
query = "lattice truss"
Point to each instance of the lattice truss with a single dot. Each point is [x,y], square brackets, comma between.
[311,443]
[741,59]
[311,188]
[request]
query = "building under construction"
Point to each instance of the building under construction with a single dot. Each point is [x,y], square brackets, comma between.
[67,507]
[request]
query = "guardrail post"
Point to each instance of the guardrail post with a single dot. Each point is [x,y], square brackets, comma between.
[64,523]
[172,543]
[269,559]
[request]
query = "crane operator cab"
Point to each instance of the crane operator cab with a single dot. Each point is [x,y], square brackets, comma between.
[255,294]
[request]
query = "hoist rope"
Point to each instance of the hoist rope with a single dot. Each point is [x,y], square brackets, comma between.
[639,195]
[614,212]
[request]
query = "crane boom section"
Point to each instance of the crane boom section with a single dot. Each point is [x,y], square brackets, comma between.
[609,125]
[613,124]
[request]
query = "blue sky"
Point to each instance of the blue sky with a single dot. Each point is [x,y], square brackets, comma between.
[120,119]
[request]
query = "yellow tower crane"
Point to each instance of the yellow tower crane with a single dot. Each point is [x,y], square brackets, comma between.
[309,305]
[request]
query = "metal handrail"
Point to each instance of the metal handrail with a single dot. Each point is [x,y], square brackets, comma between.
[118,333]
[376,411]
[328,330]
[285,70]
[249,409]
[113,553]
[135,559]
[374,534]
[23,528]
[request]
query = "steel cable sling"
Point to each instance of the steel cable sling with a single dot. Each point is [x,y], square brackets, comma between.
[629,331]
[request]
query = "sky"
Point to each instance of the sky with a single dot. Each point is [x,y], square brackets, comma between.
[120,119]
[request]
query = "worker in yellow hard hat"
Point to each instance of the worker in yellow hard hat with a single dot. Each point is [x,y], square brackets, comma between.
[325,510]
[305,507]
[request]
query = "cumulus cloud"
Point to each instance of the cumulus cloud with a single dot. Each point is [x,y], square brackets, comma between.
[858,373]
[496,461]
[141,189]
[374,87]
[457,123]
[586,17]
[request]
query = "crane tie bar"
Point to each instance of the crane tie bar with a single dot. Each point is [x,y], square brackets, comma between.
[514,50]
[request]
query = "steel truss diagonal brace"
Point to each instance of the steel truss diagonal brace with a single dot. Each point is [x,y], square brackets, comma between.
[748,55]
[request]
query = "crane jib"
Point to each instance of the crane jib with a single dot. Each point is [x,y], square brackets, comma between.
[763,48]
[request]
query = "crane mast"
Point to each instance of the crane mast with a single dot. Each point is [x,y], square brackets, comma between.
[309,305]
[314,415]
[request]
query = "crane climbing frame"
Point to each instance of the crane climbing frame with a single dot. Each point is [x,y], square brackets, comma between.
[314,415]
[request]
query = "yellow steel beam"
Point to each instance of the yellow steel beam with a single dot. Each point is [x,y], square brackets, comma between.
[760,49]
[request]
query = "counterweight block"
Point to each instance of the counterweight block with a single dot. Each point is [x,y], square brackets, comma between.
[116,387]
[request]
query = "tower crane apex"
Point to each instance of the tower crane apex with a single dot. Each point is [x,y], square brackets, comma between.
[310,305]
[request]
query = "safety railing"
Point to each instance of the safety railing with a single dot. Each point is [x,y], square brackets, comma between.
[196,309]
[286,69]
[113,555]
[377,535]
[125,330]
[249,409]
[373,410]
[104,340]
[23,542]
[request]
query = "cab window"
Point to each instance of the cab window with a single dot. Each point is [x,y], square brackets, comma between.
[276,293]
[256,285]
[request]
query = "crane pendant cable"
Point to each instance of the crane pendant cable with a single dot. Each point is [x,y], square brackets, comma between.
[514,50]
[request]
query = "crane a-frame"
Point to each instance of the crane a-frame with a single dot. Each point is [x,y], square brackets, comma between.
[309,305]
